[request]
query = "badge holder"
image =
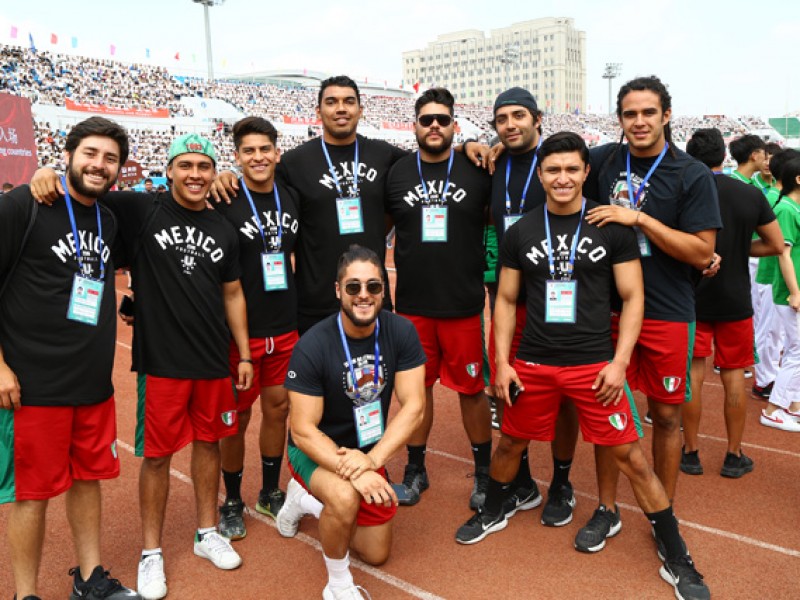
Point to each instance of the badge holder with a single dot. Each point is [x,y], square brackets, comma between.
[369,423]
[273,265]
[85,300]
[643,242]
[509,220]
[348,211]
[434,223]
[560,301]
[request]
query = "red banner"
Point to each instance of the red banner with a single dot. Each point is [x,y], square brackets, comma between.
[151,113]
[399,125]
[17,141]
[130,173]
[300,121]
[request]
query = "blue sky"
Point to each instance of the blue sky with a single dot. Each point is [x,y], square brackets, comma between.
[734,57]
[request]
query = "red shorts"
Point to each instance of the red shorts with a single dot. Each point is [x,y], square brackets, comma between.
[171,413]
[369,515]
[514,342]
[533,416]
[661,359]
[732,340]
[270,362]
[54,445]
[454,349]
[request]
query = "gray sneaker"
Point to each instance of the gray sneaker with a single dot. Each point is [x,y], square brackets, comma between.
[231,520]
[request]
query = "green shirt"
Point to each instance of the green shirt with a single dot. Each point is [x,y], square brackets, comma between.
[760,183]
[788,214]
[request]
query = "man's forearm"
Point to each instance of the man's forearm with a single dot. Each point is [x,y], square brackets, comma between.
[688,248]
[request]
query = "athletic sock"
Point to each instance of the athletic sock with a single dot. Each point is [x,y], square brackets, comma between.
[482,454]
[666,527]
[233,484]
[523,478]
[270,472]
[201,533]
[151,552]
[310,505]
[339,575]
[416,455]
[561,471]
[496,495]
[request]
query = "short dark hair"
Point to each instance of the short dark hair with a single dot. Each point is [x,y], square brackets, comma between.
[356,253]
[148,179]
[650,84]
[250,125]
[789,175]
[772,148]
[338,81]
[707,146]
[563,141]
[102,127]
[437,95]
[777,162]
[741,148]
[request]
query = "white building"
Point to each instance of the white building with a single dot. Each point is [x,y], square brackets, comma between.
[546,56]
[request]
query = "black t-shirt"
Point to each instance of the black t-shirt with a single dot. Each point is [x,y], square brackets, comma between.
[178,265]
[682,195]
[275,312]
[726,296]
[524,248]
[319,367]
[439,279]
[320,244]
[58,361]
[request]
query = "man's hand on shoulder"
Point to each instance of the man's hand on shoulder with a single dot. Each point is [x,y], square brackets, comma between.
[224,187]
[46,186]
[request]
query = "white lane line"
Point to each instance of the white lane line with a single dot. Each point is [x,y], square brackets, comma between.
[396,582]
[704,528]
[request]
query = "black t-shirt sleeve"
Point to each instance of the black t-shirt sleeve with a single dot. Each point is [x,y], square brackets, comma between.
[398,153]
[508,249]
[15,214]
[305,372]
[598,159]
[624,244]
[765,213]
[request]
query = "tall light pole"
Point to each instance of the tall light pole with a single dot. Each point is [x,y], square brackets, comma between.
[611,72]
[206,4]
[510,57]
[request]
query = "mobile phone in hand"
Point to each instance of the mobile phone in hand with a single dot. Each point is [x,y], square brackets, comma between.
[126,306]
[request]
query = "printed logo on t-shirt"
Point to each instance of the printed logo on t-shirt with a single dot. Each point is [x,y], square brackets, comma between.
[473,369]
[620,195]
[364,367]
[228,417]
[344,173]
[192,243]
[291,374]
[91,245]
[269,219]
[436,190]
[618,421]
[671,383]
[562,246]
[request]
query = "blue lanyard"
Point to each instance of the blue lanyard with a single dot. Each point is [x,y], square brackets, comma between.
[333,171]
[446,183]
[350,359]
[635,198]
[527,181]
[550,260]
[258,219]
[77,238]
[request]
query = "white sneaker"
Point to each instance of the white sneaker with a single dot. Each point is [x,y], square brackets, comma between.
[152,583]
[351,592]
[218,550]
[288,520]
[779,420]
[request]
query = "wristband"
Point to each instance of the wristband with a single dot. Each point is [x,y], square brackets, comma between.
[246,360]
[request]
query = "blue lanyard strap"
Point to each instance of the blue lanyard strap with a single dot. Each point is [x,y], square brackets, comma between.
[550,260]
[258,219]
[350,359]
[634,198]
[77,238]
[333,171]
[527,181]
[446,183]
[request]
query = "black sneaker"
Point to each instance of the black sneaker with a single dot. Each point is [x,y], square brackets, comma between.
[270,503]
[736,466]
[763,392]
[661,548]
[479,488]
[603,524]
[479,526]
[415,481]
[99,585]
[231,520]
[690,462]
[525,498]
[681,574]
[557,511]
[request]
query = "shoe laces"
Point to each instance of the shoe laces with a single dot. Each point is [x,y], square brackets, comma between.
[601,515]
[410,475]
[230,513]
[560,495]
[151,567]
[105,584]
[216,543]
[685,569]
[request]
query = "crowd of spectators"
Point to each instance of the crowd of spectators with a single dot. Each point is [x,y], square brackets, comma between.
[52,78]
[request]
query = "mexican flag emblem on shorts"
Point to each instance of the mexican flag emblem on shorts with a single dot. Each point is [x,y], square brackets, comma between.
[228,417]
[618,421]
[472,369]
[671,383]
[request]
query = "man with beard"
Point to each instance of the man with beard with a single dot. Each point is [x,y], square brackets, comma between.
[341,377]
[438,202]
[58,418]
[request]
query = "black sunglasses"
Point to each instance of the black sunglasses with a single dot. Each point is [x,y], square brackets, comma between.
[427,120]
[353,288]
